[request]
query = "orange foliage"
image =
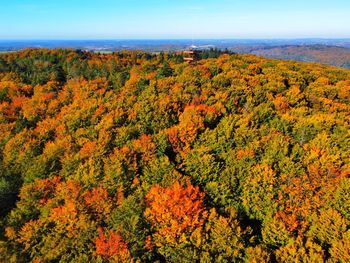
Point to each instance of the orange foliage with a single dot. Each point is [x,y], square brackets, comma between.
[88,149]
[145,145]
[243,153]
[281,104]
[192,122]
[111,246]
[65,214]
[18,101]
[175,210]
[99,111]
[97,199]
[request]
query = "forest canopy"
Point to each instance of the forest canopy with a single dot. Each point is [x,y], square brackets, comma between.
[139,157]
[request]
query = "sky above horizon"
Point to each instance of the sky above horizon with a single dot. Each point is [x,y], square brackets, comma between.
[173,19]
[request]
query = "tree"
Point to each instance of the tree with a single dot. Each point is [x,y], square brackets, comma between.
[174,213]
[111,247]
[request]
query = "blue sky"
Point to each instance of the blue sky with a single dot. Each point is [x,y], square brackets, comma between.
[171,19]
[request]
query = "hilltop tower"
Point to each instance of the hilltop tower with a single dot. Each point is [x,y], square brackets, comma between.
[191,55]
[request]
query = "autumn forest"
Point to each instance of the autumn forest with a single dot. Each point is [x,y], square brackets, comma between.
[140,157]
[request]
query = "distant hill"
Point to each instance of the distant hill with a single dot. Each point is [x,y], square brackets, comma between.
[332,55]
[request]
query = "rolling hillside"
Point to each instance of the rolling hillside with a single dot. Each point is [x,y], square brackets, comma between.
[332,55]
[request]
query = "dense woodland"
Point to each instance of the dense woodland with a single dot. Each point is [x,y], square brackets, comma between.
[137,157]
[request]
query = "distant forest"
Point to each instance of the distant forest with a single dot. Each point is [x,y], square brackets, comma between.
[140,157]
[332,55]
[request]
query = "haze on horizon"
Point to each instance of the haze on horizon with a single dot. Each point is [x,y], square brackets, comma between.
[166,19]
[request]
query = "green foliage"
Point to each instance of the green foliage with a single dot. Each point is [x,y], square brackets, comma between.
[165,71]
[341,198]
[118,79]
[129,218]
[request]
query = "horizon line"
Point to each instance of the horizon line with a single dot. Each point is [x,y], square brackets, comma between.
[214,38]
